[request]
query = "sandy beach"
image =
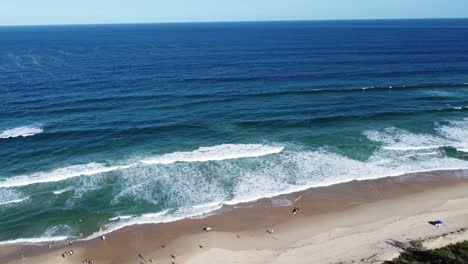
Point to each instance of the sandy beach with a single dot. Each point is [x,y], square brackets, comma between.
[356,222]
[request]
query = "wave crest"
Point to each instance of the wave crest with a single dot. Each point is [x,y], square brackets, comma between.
[23,131]
[14,201]
[57,175]
[454,134]
[216,153]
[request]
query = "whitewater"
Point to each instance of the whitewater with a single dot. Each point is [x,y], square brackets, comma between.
[22,131]
[276,164]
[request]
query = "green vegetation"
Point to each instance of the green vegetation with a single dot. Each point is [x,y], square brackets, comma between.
[451,254]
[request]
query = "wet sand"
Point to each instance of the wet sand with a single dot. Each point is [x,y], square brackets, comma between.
[362,221]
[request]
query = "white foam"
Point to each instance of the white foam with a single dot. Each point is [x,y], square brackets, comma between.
[457,133]
[58,174]
[159,217]
[62,191]
[23,131]
[57,231]
[402,140]
[9,196]
[14,201]
[298,171]
[439,93]
[34,240]
[207,205]
[122,217]
[413,148]
[216,153]
[291,172]
[317,169]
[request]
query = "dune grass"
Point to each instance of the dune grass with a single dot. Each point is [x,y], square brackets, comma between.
[451,254]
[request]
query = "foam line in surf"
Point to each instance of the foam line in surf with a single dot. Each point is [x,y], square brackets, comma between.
[216,153]
[14,201]
[159,217]
[34,240]
[260,192]
[401,140]
[58,174]
[457,132]
[454,134]
[409,148]
[61,191]
[22,131]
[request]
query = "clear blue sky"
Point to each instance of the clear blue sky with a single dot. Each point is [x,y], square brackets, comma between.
[21,12]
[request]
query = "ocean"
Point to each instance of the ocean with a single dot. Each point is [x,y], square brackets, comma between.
[105,126]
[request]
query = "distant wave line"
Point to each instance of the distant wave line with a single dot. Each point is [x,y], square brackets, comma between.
[302,122]
[279,122]
[233,97]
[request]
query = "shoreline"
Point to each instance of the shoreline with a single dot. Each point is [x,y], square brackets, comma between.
[323,209]
[217,208]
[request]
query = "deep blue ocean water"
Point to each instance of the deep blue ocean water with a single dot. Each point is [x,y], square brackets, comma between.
[111,125]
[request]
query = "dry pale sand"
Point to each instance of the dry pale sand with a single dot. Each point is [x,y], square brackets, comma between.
[357,222]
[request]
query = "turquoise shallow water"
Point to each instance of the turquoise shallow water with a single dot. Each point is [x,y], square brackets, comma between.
[117,125]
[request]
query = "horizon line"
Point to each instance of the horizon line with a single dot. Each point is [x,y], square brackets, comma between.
[226,21]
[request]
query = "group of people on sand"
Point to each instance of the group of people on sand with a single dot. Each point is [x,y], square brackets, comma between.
[71,252]
[68,253]
[295,211]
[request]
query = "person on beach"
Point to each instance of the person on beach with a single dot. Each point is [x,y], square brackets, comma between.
[296,210]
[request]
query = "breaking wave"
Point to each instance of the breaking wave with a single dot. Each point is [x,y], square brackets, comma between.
[216,153]
[10,197]
[13,201]
[454,134]
[57,175]
[61,191]
[23,131]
